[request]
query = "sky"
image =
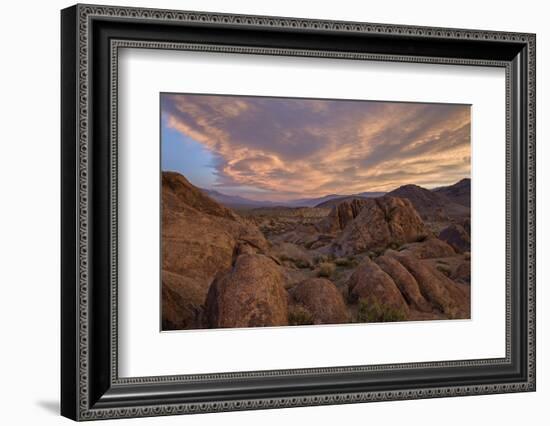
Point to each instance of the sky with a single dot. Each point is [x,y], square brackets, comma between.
[280,149]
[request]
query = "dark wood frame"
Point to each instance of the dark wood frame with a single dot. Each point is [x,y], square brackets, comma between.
[90,386]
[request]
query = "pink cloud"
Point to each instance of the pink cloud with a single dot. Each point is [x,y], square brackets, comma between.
[311,148]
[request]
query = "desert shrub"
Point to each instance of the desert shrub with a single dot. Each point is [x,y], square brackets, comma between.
[345,262]
[393,245]
[301,263]
[445,270]
[421,238]
[284,258]
[441,262]
[373,254]
[326,269]
[308,244]
[298,315]
[372,311]
[320,258]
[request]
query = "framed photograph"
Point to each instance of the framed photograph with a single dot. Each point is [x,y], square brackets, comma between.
[264,212]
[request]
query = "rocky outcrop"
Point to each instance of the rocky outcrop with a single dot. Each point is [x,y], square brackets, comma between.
[251,294]
[431,248]
[441,292]
[342,214]
[322,300]
[405,282]
[382,222]
[372,283]
[182,300]
[457,237]
[199,236]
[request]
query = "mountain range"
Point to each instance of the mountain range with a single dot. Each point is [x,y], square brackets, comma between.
[452,200]
[236,201]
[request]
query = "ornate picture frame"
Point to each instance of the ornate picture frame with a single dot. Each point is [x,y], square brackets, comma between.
[91,37]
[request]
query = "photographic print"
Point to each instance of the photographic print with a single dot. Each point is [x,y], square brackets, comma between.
[295,212]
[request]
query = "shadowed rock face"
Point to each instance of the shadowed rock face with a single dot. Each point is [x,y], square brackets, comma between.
[457,237]
[372,283]
[182,300]
[322,299]
[251,294]
[381,222]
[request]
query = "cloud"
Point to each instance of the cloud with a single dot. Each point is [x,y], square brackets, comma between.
[299,147]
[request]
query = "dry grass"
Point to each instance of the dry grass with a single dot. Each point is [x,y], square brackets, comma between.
[326,269]
[372,311]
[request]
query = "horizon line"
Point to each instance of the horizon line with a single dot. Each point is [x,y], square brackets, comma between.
[289,200]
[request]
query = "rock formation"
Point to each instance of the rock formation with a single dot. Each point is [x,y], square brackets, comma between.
[353,259]
[321,298]
[382,222]
[199,236]
[182,300]
[251,294]
[429,249]
[405,282]
[437,289]
[199,239]
[341,214]
[372,283]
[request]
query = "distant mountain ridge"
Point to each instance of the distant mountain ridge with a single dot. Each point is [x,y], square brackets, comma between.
[431,205]
[459,192]
[451,201]
[236,201]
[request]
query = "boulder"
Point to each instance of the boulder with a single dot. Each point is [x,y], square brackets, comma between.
[251,294]
[431,248]
[382,222]
[182,302]
[372,283]
[322,299]
[405,282]
[457,237]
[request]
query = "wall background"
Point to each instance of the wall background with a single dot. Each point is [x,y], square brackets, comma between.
[29,212]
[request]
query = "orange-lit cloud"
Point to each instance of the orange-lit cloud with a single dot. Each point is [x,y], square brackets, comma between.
[308,148]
